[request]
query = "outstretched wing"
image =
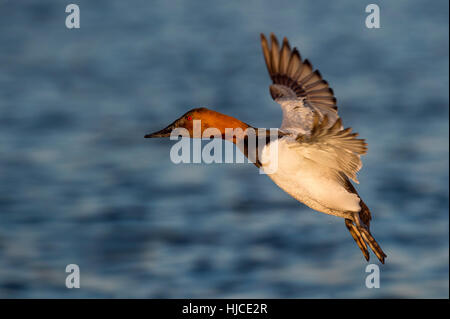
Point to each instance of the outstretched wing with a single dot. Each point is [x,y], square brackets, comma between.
[332,147]
[299,89]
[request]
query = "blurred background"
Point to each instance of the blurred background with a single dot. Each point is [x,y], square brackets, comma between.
[79,183]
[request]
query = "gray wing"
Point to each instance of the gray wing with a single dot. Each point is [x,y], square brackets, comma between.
[299,89]
[332,147]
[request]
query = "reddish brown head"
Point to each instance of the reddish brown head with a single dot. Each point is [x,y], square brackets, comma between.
[207,118]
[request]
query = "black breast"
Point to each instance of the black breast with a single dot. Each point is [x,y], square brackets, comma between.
[252,153]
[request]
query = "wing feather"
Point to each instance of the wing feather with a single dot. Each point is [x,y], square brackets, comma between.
[294,64]
[275,54]
[266,52]
[295,80]
[284,56]
[330,145]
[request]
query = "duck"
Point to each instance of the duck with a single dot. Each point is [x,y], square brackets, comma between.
[317,158]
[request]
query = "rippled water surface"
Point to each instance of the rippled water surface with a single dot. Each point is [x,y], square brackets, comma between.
[79,183]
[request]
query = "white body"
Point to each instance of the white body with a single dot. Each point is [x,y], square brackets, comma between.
[305,180]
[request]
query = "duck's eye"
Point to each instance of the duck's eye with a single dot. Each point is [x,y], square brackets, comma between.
[189,118]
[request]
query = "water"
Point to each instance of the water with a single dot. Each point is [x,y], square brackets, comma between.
[79,183]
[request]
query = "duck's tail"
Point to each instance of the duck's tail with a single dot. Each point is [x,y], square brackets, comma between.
[359,228]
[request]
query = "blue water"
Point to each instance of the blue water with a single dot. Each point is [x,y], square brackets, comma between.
[79,183]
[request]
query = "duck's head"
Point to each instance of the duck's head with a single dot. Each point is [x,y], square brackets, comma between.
[208,119]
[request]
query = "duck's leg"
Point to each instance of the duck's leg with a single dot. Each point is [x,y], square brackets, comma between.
[357,237]
[363,231]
